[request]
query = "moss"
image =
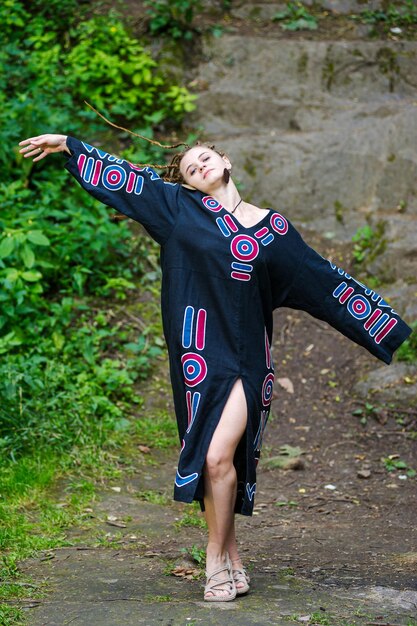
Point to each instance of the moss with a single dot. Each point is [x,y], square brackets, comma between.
[339,210]
[302,63]
[386,59]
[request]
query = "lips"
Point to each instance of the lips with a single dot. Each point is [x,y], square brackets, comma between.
[207,172]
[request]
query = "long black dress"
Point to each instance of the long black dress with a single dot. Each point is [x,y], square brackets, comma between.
[221,283]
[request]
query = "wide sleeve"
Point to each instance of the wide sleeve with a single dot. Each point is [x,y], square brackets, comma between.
[313,284]
[136,192]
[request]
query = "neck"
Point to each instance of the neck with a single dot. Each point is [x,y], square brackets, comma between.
[227,195]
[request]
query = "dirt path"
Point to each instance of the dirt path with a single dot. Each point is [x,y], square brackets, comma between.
[324,542]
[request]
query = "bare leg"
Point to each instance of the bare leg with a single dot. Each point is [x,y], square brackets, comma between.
[220,481]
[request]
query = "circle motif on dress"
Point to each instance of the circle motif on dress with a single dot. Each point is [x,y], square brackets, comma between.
[279,224]
[267,389]
[114,177]
[211,204]
[359,307]
[244,248]
[194,368]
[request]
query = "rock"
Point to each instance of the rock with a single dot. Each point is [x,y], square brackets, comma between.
[345,7]
[322,130]
[364,473]
[256,10]
[388,384]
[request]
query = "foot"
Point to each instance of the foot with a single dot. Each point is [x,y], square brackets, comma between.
[220,586]
[240,577]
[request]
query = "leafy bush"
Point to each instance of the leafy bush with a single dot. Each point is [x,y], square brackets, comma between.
[71,347]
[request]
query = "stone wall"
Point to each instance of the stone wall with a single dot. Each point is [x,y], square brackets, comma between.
[323,130]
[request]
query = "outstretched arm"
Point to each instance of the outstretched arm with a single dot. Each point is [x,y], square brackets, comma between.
[302,279]
[136,191]
[42,145]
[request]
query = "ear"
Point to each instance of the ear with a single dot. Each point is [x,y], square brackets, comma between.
[227,161]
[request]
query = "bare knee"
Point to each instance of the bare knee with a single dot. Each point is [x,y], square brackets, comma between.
[218,465]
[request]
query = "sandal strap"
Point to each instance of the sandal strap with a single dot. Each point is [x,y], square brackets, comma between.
[240,575]
[210,575]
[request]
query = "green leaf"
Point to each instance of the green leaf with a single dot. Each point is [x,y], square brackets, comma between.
[59,340]
[37,237]
[6,247]
[28,257]
[32,276]
[11,274]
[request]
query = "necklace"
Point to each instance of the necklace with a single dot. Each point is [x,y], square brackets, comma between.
[240,201]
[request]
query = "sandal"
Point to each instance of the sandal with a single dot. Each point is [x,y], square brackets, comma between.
[228,593]
[242,578]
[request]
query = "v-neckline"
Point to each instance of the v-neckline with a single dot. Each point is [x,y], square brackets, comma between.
[241,226]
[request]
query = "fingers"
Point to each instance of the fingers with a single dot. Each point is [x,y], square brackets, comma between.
[33,140]
[42,145]
[31,150]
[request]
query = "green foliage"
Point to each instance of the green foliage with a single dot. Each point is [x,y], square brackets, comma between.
[10,616]
[296,17]
[394,16]
[173,17]
[369,243]
[51,65]
[196,553]
[70,352]
[408,350]
[192,517]
[393,463]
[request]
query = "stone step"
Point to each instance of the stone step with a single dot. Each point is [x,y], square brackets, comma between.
[268,8]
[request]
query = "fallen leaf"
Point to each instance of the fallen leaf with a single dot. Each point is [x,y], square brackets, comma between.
[117,524]
[286,384]
[116,489]
[144,449]
[185,572]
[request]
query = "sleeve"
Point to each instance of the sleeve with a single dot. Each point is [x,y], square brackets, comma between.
[136,192]
[328,293]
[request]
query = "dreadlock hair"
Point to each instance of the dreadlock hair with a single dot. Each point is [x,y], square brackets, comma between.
[172,173]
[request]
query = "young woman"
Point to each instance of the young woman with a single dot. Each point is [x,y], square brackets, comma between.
[226,265]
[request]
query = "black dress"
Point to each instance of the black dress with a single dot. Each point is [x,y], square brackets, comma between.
[221,282]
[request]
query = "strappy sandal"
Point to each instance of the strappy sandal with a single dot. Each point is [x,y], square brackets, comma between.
[215,585]
[242,578]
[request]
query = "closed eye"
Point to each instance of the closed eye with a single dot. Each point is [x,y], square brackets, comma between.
[191,169]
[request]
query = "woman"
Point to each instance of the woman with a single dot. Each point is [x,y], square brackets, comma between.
[226,265]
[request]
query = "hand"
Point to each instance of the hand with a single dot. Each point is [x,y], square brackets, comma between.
[39,147]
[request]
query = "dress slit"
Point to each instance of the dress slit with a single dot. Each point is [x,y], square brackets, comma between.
[199,495]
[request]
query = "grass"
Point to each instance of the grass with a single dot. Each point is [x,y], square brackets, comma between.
[192,516]
[153,496]
[10,616]
[43,496]
[157,430]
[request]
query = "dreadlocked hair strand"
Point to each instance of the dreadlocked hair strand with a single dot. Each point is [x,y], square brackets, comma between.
[172,169]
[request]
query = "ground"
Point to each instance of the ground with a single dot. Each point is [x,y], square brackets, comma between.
[332,541]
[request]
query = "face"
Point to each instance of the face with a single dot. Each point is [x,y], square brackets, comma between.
[203,168]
